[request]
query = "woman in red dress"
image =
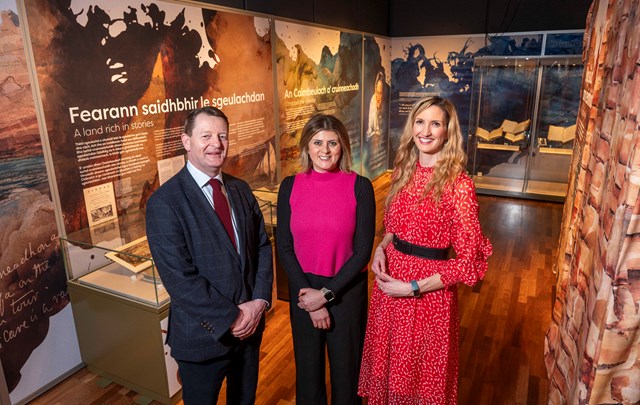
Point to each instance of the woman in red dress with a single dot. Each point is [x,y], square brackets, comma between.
[411,344]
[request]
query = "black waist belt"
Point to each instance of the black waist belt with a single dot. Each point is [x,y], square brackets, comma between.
[419,251]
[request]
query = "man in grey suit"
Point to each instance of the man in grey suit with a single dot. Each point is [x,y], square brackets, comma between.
[214,258]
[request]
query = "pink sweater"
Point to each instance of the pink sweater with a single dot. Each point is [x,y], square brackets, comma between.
[323,220]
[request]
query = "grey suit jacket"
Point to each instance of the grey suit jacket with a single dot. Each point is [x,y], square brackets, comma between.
[204,275]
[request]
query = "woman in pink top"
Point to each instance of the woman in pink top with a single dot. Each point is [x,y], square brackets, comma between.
[326,225]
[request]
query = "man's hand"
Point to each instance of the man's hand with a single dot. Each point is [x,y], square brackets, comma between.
[248,318]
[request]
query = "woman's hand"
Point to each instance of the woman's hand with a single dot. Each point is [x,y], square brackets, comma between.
[392,287]
[379,263]
[320,318]
[311,299]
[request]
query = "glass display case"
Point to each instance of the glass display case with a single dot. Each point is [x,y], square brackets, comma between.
[267,197]
[522,120]
[561,79]
[269,194]
[114,257]
[120,307]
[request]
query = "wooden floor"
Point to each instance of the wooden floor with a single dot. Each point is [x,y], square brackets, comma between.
[503,319]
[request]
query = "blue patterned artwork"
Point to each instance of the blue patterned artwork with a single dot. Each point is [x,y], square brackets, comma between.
[511,45]
[564,43]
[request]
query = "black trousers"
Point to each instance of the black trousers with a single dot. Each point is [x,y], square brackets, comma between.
[202,381]
[343,343]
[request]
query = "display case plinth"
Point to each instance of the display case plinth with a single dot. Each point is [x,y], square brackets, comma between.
[123,341]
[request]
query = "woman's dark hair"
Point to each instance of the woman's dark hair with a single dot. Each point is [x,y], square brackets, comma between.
[322,122]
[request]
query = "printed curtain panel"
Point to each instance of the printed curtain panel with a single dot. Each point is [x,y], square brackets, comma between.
[592,345]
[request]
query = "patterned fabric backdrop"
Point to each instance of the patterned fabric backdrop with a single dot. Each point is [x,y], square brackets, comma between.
[592,345]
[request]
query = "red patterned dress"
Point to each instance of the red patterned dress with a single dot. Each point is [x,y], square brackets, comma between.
[411,344]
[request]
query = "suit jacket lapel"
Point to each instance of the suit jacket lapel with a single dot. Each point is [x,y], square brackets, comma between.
[194,194]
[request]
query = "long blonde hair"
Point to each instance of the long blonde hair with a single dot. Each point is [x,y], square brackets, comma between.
[452,158]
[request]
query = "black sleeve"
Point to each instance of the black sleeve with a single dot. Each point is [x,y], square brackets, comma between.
[363,237]
[284,238]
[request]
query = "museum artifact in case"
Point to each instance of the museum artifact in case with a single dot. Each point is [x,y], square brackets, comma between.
[114,257]
[522,124]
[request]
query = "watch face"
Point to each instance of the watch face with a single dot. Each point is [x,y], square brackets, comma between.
[328,295]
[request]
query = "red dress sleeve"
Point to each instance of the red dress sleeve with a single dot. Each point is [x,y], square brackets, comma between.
[471,246]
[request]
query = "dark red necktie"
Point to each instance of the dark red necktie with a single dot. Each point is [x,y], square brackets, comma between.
[221,207]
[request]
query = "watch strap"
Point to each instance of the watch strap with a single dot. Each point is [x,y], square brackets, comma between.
[415,288]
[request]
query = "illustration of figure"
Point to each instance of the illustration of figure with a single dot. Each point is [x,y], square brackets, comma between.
[375,113]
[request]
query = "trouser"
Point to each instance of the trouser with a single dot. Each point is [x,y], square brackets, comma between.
[202,381]
[343,343]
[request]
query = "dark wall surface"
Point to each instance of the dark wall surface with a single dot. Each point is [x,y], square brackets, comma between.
[369,16]
[413,18]
[408,18]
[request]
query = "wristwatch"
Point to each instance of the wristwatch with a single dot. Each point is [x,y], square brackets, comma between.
[328,294]
[415,288]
